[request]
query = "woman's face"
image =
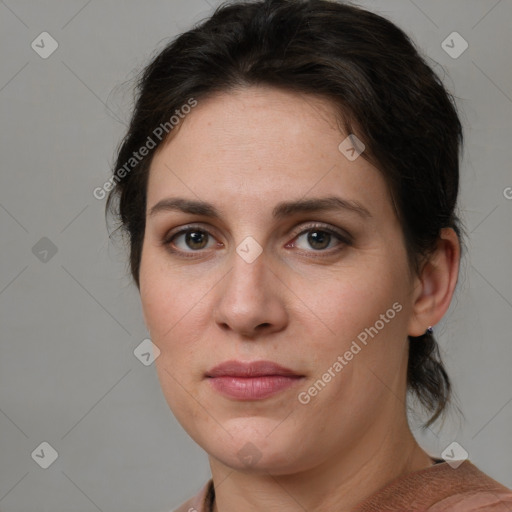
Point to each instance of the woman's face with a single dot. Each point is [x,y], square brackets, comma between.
[282,272]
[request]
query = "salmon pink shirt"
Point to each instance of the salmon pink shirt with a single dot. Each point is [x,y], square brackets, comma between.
[438,488]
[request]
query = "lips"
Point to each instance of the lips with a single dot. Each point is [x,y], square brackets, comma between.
[253,369]
[251,381]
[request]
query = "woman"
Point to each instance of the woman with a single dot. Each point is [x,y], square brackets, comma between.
[289,186]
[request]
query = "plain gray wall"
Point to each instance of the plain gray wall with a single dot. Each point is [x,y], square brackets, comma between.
[68,375]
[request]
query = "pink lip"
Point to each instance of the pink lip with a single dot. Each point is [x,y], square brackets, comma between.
[251,381]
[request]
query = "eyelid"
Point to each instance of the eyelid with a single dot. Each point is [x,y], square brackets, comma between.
[343,235]
[168,237]
[167,241]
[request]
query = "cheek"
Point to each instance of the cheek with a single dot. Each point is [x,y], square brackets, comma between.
[165,295]
[346,303]
[363,317]
[174,317]
[174,309]
[173,323]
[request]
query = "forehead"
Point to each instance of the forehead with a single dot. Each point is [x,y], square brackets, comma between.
[258,146]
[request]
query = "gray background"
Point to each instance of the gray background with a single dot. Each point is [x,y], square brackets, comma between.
[69,326]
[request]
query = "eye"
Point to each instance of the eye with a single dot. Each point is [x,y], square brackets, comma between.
[190,239]
[316,238]
[320,238]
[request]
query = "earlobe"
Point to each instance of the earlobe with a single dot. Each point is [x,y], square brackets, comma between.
[436,284]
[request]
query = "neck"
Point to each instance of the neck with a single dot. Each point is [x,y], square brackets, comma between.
[337,484]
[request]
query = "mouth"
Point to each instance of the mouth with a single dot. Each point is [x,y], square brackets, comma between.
[251,381]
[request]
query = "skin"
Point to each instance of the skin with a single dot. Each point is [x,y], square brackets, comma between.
[297,304]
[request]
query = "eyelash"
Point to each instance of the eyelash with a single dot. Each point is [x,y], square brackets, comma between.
[344,238]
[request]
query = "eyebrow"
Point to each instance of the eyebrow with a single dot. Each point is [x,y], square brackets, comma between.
[281,210]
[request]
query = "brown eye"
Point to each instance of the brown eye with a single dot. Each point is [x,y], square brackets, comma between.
[190,240]
[196,239]
[320,240]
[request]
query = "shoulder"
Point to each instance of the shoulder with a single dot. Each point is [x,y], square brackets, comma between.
[475,501]
[440,488]
[473,490]
[200,502]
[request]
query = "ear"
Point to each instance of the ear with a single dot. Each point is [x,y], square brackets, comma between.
[434,287]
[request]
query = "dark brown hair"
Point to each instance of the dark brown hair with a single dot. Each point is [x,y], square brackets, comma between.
[380,87]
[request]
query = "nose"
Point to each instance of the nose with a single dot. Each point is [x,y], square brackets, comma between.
[251,299]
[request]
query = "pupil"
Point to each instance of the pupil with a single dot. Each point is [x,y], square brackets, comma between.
[321,238]
[195,239]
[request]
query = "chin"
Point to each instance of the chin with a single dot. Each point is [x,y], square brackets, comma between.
[255,446]
[247,458]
